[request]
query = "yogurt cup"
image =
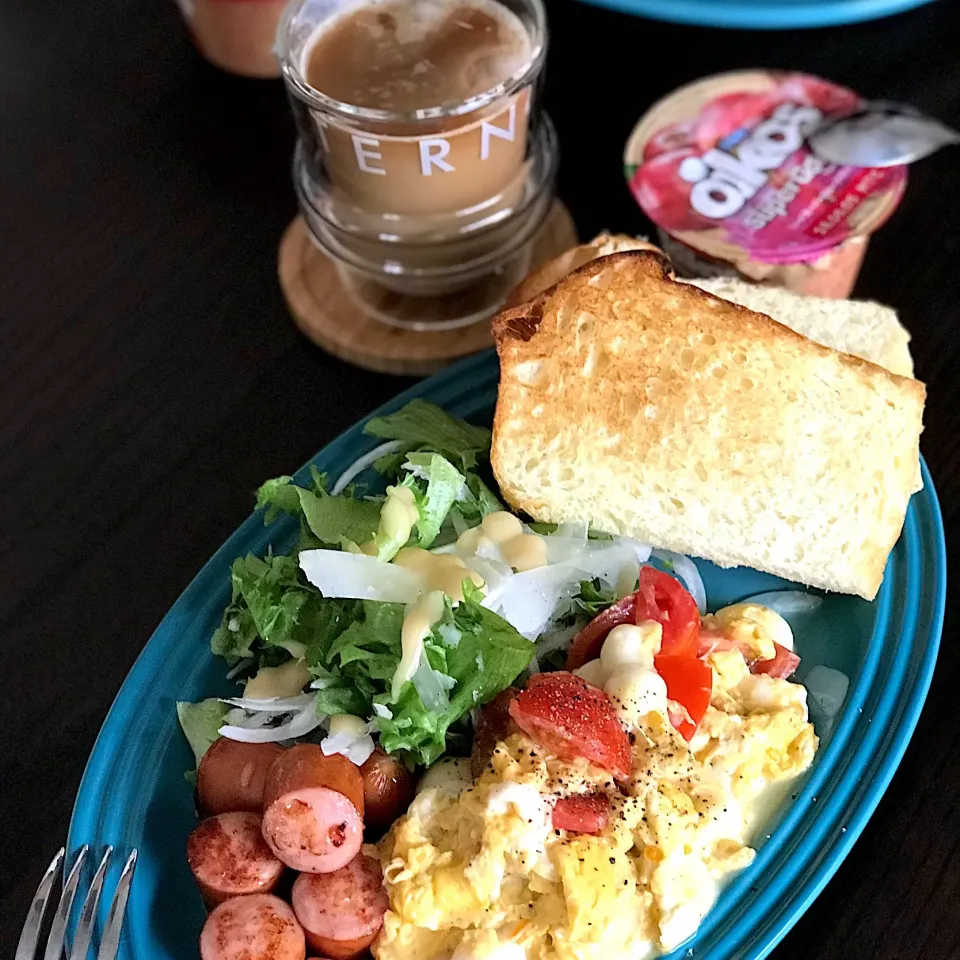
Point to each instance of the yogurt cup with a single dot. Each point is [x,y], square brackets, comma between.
[236,35]
[722,168]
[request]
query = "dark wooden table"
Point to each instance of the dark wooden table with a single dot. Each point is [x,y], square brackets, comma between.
[151,377]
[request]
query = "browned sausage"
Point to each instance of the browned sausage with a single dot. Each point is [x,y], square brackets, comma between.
[231,775]
[387,789]
[259,927]
[494,724]
[341,912]
[230,858]
[313,809]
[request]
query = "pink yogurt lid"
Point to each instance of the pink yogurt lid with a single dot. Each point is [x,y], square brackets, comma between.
[722,165]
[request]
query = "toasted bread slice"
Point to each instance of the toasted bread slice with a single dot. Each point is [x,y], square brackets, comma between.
[553,271]
[652,408]
[861,327]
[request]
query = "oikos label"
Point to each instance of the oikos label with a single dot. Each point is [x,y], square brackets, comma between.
[734,168]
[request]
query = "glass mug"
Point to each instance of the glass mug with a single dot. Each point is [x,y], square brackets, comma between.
[428,178]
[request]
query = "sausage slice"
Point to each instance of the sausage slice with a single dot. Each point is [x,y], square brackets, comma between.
[341,912]
[231,775]
[493,725]
[313,809]
[259,927]
[230,858]
[387,789]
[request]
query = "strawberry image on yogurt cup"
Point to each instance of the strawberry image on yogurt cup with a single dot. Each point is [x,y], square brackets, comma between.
[722,168]
[657,183]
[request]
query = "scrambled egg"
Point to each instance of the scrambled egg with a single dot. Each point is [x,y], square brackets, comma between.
[475,870]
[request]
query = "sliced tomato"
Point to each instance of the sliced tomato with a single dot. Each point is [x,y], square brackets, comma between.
[582,814]
[660,597]
[663,598]
[783,664]
[709,642]
[689,682]
[570,718]
[587,643]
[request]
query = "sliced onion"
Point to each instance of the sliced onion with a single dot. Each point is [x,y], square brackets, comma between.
[240,666]
[642,550]
[382,710]
[606,560]
[558,639]
[787,602]
[356,576]
[299,725]
[272,704]
[687,571]
[826,691]
[495,575]
[361,464]
[432,686]
[574,529]
[355,747]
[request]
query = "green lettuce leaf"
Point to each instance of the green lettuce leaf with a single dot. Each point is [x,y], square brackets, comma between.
[594,598]
[444,486]
[487,656]
[275,607]
[201,723]
[424,426]
[479,502]
[328,518]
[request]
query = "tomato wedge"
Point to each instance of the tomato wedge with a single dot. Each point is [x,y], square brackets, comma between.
[783,664]
[659,597]
[587,643]
[570,718]
[663,598]
[582,814]
[689,682]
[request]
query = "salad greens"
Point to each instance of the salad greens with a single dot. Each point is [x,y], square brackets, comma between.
[423,426]
[201,723]
[352,648]
[346,642]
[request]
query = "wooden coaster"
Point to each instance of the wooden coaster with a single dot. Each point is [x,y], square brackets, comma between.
[326,313]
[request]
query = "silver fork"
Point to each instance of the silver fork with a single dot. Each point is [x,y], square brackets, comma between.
[28,946]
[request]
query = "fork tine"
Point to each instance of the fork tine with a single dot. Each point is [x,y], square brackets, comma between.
[27,945]
[81,939]
[59,926]
[110,942]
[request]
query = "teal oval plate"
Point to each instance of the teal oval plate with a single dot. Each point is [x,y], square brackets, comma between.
[134,794]
[762,14]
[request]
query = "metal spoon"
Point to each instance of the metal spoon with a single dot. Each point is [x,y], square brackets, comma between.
[880,134]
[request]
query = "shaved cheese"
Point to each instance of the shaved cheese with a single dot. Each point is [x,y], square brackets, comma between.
[350,737]
[528,600]
[356,576]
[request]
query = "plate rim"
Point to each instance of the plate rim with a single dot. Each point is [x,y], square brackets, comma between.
[762,14]
[478,371]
